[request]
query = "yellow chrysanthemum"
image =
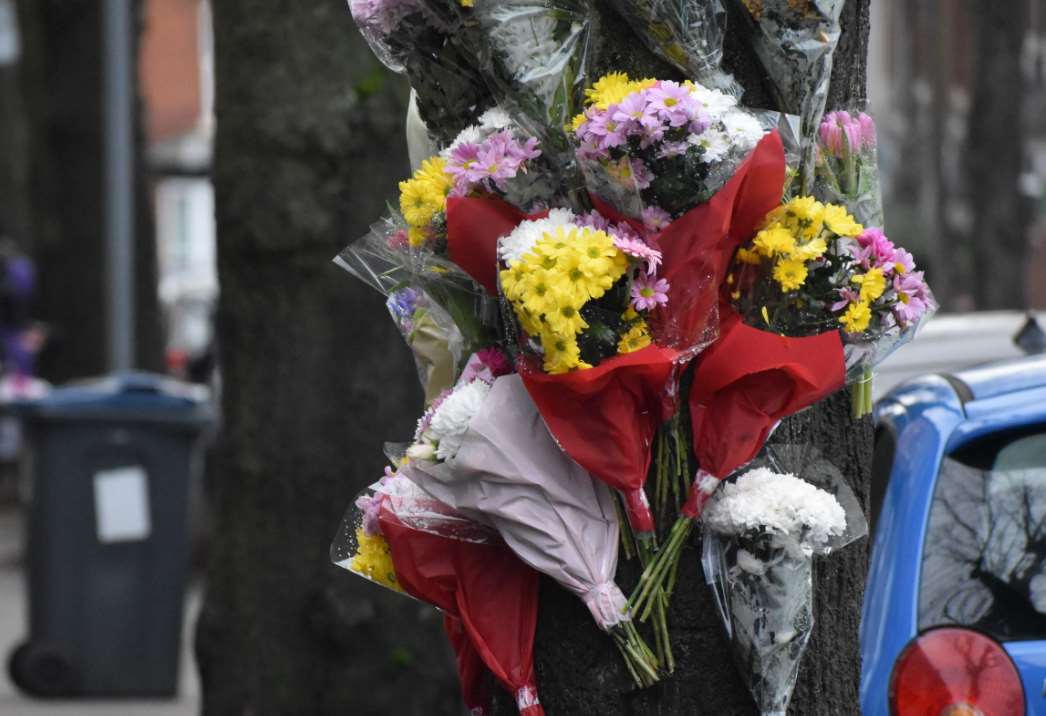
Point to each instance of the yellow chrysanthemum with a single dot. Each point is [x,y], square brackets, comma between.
[790,274]
[838,220]
[856,318]
[468,3]
[805,216]
[417,236]
[433,170]
[565,320]
[775,241]
[578,120]
[562,353]
[419,202]
[373,560]
[747,256]
[873,284]
[637,338]
[614,87]
[810,250]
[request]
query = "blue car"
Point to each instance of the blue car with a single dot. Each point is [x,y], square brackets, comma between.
[954,619]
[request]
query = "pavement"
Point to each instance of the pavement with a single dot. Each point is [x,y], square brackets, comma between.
[13,628]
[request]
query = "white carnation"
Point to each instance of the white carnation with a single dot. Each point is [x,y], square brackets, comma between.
[715,142]
[765,501]
[451,419]
[469,135]
[523,238]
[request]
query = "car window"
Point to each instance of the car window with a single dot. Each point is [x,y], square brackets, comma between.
[984,558]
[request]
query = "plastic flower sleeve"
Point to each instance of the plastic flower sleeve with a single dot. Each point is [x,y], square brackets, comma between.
[761,534]
[433,337]
[510,474]
[687,33]
[385,261]
[535,56]
[847,169]
[796,41]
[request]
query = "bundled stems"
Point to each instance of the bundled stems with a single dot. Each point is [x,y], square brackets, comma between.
[641,662]
[861,395]
[650,591]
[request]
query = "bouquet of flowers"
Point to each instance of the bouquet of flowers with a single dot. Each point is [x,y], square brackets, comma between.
[654,148]
[796,41]
[398,536]
[506,471]
[847,165]
[761,534]
[434,338]
[687,33]
[813,268]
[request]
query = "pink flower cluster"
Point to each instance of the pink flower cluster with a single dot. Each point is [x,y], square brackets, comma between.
[490,163]
[370,506]
[875,250]
[842,133]
[648,116]
[486,365]
[381,15]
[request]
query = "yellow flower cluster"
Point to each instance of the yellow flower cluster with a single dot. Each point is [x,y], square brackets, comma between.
[550,285]
[794,234]
[859,313]
[637,338]
[373,560]
[423,196]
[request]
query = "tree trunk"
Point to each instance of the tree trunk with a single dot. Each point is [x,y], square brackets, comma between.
[62,90]
[310,144]
[995,155]
[578,669]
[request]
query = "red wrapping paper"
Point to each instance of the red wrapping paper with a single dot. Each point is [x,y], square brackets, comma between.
[606,418]
[474,226]
[472,672]
[697,248]
[485,586]
[747,381]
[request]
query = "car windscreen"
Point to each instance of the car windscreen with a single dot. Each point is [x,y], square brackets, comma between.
[984,556]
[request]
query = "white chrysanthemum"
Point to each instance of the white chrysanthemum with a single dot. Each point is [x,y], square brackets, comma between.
[715,142]
[743,129]
[763,500]
[523,238]
[716,103]
[494,120]
[452,417]
[469,135]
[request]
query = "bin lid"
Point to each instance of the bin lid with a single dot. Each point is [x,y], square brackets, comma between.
[129,396]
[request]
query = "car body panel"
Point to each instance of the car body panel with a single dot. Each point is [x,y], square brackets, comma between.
[929,418]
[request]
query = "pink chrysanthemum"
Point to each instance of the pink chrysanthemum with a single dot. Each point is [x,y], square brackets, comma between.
[638,248]
[649,293]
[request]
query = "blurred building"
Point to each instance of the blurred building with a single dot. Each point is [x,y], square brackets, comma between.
[177,82]
[922,71]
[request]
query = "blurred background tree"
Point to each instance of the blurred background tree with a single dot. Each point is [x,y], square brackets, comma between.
[309,146]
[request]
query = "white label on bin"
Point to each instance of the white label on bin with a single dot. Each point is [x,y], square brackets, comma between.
[121,504]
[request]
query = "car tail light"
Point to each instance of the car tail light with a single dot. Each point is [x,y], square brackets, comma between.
[955,672]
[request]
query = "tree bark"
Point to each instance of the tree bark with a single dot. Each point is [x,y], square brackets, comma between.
[61,86]
[995,155]
[309,146]
[578,669]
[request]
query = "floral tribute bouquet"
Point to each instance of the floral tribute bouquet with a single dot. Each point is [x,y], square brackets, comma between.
[847,165]
[760,536]
[796,41]
[496,463]
[398,536]
[687,33]
[813,268]
[654,149]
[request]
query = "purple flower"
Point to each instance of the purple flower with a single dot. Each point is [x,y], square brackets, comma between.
[370,506]
[649,293]
[903,262]
[913,297]
[402,304]
[655,219]
[641,175]
[846,296]
[673,102]
[672,149]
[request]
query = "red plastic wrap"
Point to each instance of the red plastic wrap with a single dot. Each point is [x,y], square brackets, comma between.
[606,418]
[474,226]
[747,381]
[485,586]
[472,672]
[702,242]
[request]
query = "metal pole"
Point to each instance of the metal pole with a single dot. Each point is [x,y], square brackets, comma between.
[119,181]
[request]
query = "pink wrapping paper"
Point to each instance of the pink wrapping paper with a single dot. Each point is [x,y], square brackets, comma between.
[510,474]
